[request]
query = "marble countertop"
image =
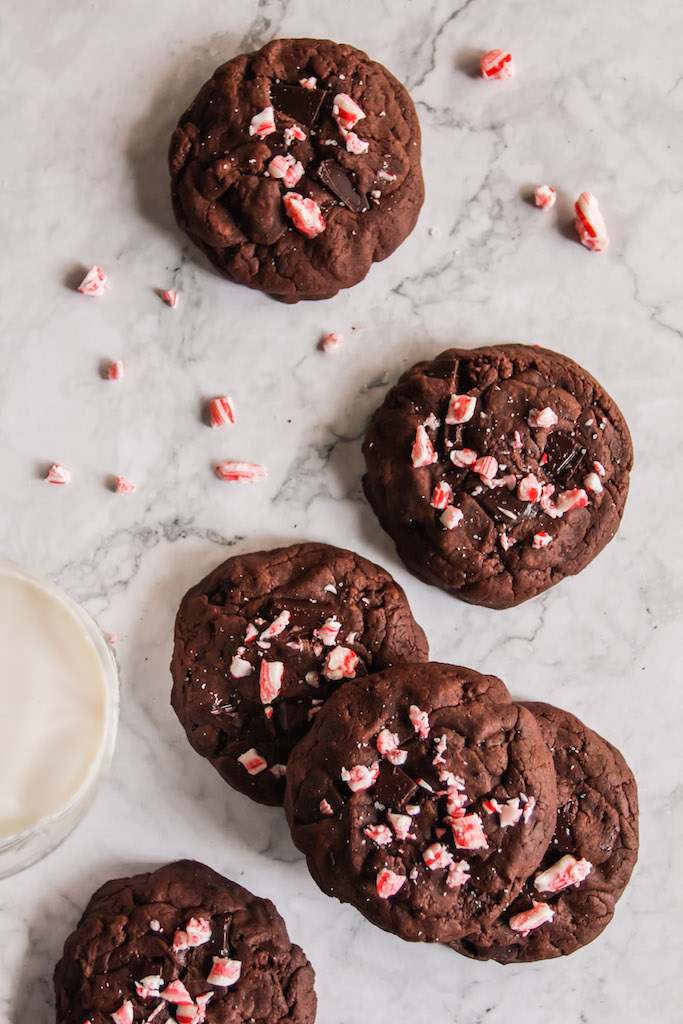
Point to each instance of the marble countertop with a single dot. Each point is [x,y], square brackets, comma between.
[89,101]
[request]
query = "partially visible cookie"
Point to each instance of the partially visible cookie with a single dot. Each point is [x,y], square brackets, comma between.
[263,641]
[182,943]
[498,471]
[424,800]
[589,861]
[298,167]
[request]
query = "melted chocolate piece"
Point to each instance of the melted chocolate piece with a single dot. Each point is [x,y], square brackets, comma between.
[339,183]
[505,507]
[303,105]
[393,787]
[564,456]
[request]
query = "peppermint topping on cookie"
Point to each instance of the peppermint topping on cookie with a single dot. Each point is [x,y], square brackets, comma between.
[124,486]
[451,516]
[270,680]
[251,632]
[528,808]
[224,971]
[460,409]
[325,807]
[458,874]
[437,856]
[305,214]
[278,771]
[198,931]
[340,664]
[149,987]
[380,834]
[116,371]
[386,175]
[567,871]
[510,812]
[401,825]
[440,749]
[497,64]
[253,762]
[542,419]
[599,468]
[530,488]
[422,453]
[124,1014]
[455,802]
[360,777]
[387,742]
[468,832]
[292,133]
[263,124]
[486,467]
[58,474]
[221,411]
[187,1013]
[287,168]
[277,626]
[545,196]
[592,482]
[239,668]
[463,458]
[541,540]
[442,495]
[308,83]
[170,298]
[530,919]
[241,472]
[590,223]
[570,499]
[176,993]
[420,721]
[354,144]
[346,112]
[328,632]
[506,542]
[94,283]
[332,343]
[389,883]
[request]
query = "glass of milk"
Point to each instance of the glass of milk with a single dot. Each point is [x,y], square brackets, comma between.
[59,703]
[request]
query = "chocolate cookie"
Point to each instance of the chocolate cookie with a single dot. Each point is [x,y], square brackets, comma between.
[422,800]
[498,471]
[570,900]
[263,641]
[182,944]
[298,167]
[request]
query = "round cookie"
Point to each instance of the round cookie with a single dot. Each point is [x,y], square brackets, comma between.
[597,826]
[390,795]
[263,641]
[188,941]
[498,471]
[345,187]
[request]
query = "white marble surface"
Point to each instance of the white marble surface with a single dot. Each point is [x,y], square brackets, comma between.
[90,91]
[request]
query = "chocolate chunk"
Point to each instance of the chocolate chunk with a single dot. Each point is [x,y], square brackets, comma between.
[303,105]
[339,183]
[505,507]
[393,787]
[564,455]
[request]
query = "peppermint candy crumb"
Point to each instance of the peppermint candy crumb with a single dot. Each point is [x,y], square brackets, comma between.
[389,883]
[221,411]
[422,453]
[170,298]
[530,919]
[332,342]
[460,409]
[419,720]
[94,283]
[451,517]
[542,419]
[497,64]
[58,474]
[124,486]
[305,214]
[252,761]
[124,1014]
[590,223]
[541,540]
[567,871]
[545,196]
[116,371]
[241,472]
[270,680]
[224,972]
[263,123]
[360,776]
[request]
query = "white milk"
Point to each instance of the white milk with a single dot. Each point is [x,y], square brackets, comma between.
[55,706]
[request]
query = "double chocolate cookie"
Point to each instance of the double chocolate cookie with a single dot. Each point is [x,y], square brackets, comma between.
[298,167]
[182,944]
[570,900]
[498,471]
[262,642]
[425,799]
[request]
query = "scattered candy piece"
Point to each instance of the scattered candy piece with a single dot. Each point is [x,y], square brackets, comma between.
[463,458]
[292,133]
[239,668]
[386,175]
[253,762]
[176,993]
[592,482]
[328,632]
[419,720]
[124,486]
[58,474]
[431,423]
[437,856]
[509,812]
[401,825]
[124,1014]
[455,802]
[389,883]
[305,214]
[287,168]
[497,64]
[541,540]
[340,664]
[224,972]
[571,499]
[187,1013]
[545,196]
[567,871]
[116,371]
[451,516]
[506,542]
[380,834]
[354,144]
[599,468]
[180,941]
[440,749]
[346,111]
[543,419]
[325,807]
[94,283]
[360,777]
[388,746]
[528,808]
[442,495]
[270,680]
[241,472]
[332,343]
[530,488]
[170,298]
[277,626]
[460,409]
[590,223]
[517,442]
[486,467]
[458,874]
[221,411]
[468,832]
[263,123]
[422,452]
[308,83]
[530,919]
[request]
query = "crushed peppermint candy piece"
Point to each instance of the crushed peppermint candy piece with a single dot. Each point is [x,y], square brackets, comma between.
[567,500]
[304,213]
[545,196]
[328,632]
[440,750]
[599,469]
[360,777]
[58,474]
[451,516]
[528,808]
[308,83]
[432,423]
[386,175]
[541,540]
[401,825]
[292,133]
[221,411]
[270,680]
[116,371]
[180,941]
[239,668]
[94,283]
[325,807]
[517,442]
[468,832]
[542,419]
[340,663]
[442,495]
[355,145]
[253,762]
[530,488]
[224,971]
[263,123]
[388,746]
[332,343]
[458,874]
[437,856]
[124,486]
[422,453]
[124,1014]
[592,482]
[389,883]
[278,771]
[170,298]
[419,720]
[460,409]
[251,632]
[509,812]
[176,993]
[241,472]
[486,467]
[346,111]
[187,1013]
[148,988]
[286,167]
[455,802]
[198,930]
[530,919]
[567,871]
[380,834]
[277,626]
[452,781]
[506,542]
[497,64]
[463,458]
[590,223]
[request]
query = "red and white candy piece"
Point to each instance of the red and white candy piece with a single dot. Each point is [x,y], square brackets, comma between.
[592,482]
[486,467]
[253,762]
[305,214]
[528,808]
[340,663]
[263,123]
[201,1003]
[388,746]
[360,776]
[380,834]
[148,988]
[455,802]
[468,832]
[567,871]
[292,133]
[325,807]
[571,499]
[386,175]
[346,112]
[497,64]
[451,517]
[517,442]
[440,749]
[270,680]
[545,196]
[510,812]
[176,993]
[124,486]
[458,874]
[460,408]
[94,283]
[422,453]
[599,469]
[590,223]
[389,883]
[530,488]
[328,632]
[419,720]
[180,941]
[530,919]
[287,168]
[224,972]
[124,1014]
[116,371]
[542,419]
[170,298]
[308,83]
[506,542]
[442,495]
[239,668]
[277,626]
[541,540]
[437,856]
[241,472]
[58,474]
[355,145]
[188,1013]
[401,825]
[221,411]
[332,343]
[463,458]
